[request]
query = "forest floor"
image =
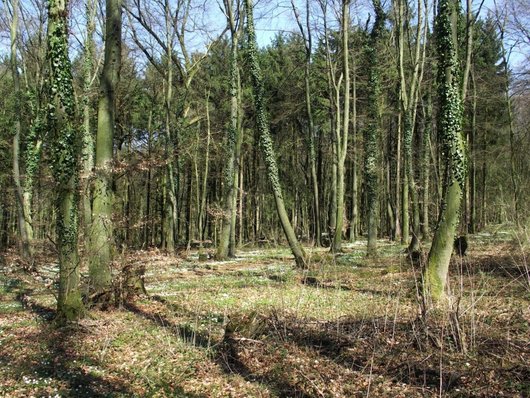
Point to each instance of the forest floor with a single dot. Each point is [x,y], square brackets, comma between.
[256,327]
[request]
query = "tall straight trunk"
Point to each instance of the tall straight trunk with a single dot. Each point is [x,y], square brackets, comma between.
[266,140]
[237,174]
[427,127]
[398,226]
[454,152]
[308,42]
[411,185]
[472,165]
[65,159]
[102,240]
[204,188]
[405,216]
[171,206]
[354,222]
[23,206]
[372,132]
[391,177]
[408,104]
[233,134]
[147,214]
[335,125]
[508,102]
[484,177]
[189,204]
[342,139]
[88,138]
[241,199]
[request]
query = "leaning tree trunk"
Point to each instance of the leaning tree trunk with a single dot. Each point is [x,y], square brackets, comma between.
[372,132]
[65,160]
[454,151]
[101,237]
[266,140]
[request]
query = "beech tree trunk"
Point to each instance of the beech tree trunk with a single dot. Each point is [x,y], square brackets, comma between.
[102,240]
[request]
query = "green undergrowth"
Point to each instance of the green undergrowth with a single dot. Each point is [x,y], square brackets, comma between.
[256,326]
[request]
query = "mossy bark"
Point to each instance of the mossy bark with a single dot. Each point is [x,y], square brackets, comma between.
[266,140]
[454,151]
[101,236]
[65,160]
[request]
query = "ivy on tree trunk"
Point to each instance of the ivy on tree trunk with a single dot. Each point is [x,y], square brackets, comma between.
[453,151]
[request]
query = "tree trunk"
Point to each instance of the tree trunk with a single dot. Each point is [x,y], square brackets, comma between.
[233,135]
[308,42]
[88,139]
[61,119]
[426,166]
[354,205]
[342,139]
[266,141]
[472,166]
[238,175]
[204,189]
[408,104]
[450,128]
[23,204]
[372,132]
[102,240]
